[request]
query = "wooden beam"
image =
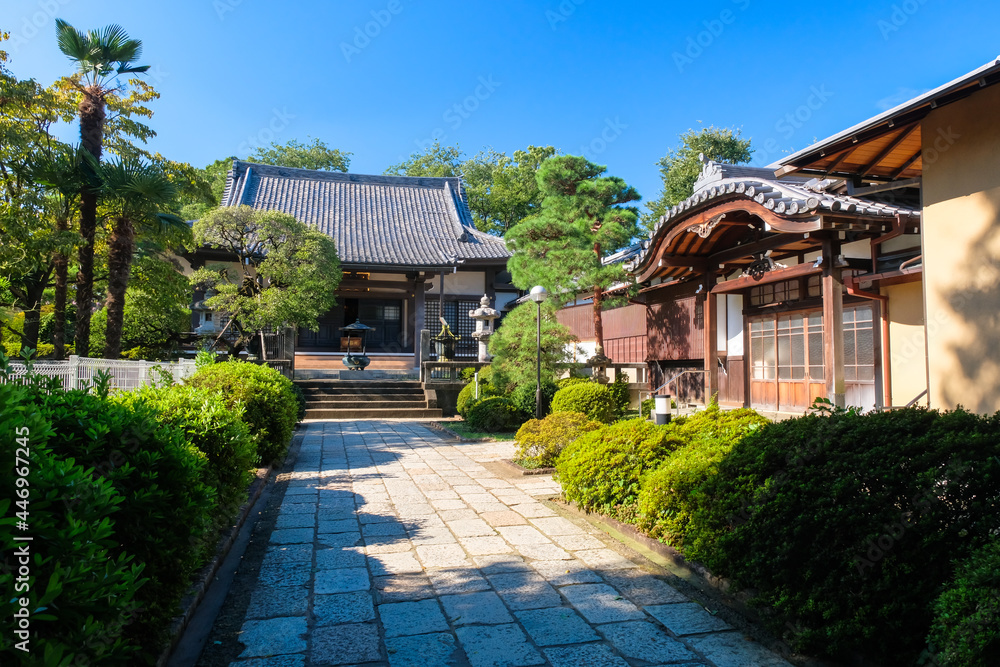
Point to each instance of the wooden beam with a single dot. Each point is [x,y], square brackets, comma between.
[883,187]
[746,282]
[840,158]
[903,134]
[748,249]
[906,165]
[711,318]
[833,323]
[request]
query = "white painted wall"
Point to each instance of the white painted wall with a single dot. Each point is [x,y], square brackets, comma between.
[734,321]
[461,282]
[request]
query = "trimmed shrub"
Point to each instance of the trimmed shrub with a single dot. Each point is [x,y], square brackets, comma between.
[467,397]
[966,627]
[601,470]
[590,398]
[300,400]
[541,441]
[846,524]
[571,380]
[665,498]
[493,415]
[164,519]
[215,429]
[646,408]
[619,394]
[82,588]
[524,397]
[270,408]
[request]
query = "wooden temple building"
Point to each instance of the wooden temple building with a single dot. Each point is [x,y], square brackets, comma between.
[862,269]
[409,252]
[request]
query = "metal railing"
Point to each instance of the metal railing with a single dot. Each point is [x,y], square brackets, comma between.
[79,372]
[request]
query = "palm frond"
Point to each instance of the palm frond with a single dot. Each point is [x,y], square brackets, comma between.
[71,41]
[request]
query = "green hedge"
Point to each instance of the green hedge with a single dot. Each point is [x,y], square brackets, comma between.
[268,400]
[601,470]
[846,525]
[541,441]
[167,507]
[467,397]
[590,398]
[966,627]
[666,499]
[494,414]
[82,587]
[216,430]
[524,398]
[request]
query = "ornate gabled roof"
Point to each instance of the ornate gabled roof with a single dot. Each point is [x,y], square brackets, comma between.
[398,221]
[793,199]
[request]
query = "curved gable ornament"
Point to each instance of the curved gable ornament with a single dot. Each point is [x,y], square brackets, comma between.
[705,229]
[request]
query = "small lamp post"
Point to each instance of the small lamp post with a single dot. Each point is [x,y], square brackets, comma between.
[538,294]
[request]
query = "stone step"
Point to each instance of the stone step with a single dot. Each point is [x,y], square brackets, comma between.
[314,384]
[378,403]
[376,413]
[333,394]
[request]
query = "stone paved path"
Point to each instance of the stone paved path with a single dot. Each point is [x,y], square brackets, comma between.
[395,546]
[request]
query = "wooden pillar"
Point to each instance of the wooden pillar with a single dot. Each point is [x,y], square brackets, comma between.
[833,323]
[419,293]
[711,316]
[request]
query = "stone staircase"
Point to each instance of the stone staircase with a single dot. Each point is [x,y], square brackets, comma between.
[366,399]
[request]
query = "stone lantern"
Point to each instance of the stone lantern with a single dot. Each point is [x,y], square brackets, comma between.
[484,316]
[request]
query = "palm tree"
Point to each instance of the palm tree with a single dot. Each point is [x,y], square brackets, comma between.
[101,57]
[62,171]
[133,196]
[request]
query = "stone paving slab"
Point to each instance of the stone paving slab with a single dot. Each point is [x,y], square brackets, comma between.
[393,546]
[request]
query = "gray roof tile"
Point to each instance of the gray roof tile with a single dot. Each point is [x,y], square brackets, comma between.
[375,220]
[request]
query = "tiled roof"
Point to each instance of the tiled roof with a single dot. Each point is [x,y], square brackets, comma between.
[792,198]
[375,220]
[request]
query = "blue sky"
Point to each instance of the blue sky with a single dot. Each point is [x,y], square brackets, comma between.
[617,82]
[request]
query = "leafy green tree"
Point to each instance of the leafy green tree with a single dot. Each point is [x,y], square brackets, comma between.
[314,155]
[156,312]
[61,172]
[101,57]
[503,190]
[133,195]
[436,160]
[680,167]
[31,236]
[287,273]
[582,220]
[514,347]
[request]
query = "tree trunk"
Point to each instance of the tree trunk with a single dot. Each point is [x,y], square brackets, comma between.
[91,111]
[598,322]
[30,299]
[120,246]
[598,299]
[61,264]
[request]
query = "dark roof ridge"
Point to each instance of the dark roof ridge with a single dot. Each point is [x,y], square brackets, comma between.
[438,182]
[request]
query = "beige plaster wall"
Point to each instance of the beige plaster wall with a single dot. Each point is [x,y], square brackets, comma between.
[961,249]
[907,343]
[460,282]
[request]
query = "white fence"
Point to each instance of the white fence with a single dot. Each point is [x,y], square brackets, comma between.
[125,375]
